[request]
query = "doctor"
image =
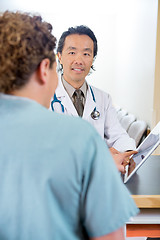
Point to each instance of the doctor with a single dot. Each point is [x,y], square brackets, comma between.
[77,49]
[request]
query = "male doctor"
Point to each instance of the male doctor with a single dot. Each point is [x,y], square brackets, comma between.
[77,49]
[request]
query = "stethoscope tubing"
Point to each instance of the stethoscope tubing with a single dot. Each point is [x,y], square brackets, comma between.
[55,99]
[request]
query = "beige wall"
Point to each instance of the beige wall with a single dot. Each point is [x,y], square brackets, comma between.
[126,58]
[156,102]
[135,59]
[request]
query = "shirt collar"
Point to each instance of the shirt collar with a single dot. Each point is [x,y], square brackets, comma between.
[70,90]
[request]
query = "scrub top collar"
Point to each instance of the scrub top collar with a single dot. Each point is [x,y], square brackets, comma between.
[14,97]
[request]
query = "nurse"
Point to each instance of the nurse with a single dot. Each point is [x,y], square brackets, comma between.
[77,50]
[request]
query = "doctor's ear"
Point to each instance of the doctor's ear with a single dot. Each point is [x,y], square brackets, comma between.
[59,66]
[59,57]
[44,70]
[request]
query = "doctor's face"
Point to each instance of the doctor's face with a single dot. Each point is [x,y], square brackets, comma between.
[76,58]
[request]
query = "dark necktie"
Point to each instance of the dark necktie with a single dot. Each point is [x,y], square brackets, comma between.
[78,101]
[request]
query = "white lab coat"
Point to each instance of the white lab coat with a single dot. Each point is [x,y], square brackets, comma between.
[107,125]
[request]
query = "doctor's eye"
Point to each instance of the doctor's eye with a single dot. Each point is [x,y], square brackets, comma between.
[71,53]
[87,54]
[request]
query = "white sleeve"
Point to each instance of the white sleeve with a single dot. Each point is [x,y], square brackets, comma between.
[114,134]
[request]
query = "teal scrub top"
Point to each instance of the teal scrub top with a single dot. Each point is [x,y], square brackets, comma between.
[57,177]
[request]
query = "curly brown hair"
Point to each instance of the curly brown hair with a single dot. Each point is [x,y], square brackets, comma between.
[25,41]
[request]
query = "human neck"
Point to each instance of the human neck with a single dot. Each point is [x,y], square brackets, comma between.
[31,90]
[76,84]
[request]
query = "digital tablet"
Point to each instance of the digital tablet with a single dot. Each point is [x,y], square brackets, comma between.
[144,150]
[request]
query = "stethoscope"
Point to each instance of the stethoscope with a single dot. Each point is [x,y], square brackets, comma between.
[95,114]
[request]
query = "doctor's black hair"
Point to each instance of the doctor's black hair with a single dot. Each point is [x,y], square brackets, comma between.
[81,30]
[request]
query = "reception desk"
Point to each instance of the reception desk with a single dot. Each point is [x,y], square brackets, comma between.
[144,186]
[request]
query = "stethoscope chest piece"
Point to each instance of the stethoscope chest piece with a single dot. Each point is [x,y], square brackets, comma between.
[95,115]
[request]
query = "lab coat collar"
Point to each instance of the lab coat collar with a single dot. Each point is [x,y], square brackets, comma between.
[60,90]
[63,96]
[90,103]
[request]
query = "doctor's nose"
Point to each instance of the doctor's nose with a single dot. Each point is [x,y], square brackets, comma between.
[78,60]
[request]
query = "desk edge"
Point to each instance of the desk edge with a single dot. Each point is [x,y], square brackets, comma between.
[147,201]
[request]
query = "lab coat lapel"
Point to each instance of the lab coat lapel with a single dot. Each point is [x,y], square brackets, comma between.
[63,96]
[89,105]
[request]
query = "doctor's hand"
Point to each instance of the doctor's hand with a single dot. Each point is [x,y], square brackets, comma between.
[121,159]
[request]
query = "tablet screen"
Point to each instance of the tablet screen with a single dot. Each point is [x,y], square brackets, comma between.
[144,151]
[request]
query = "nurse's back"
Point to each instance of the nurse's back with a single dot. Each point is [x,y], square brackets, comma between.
[55,180]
